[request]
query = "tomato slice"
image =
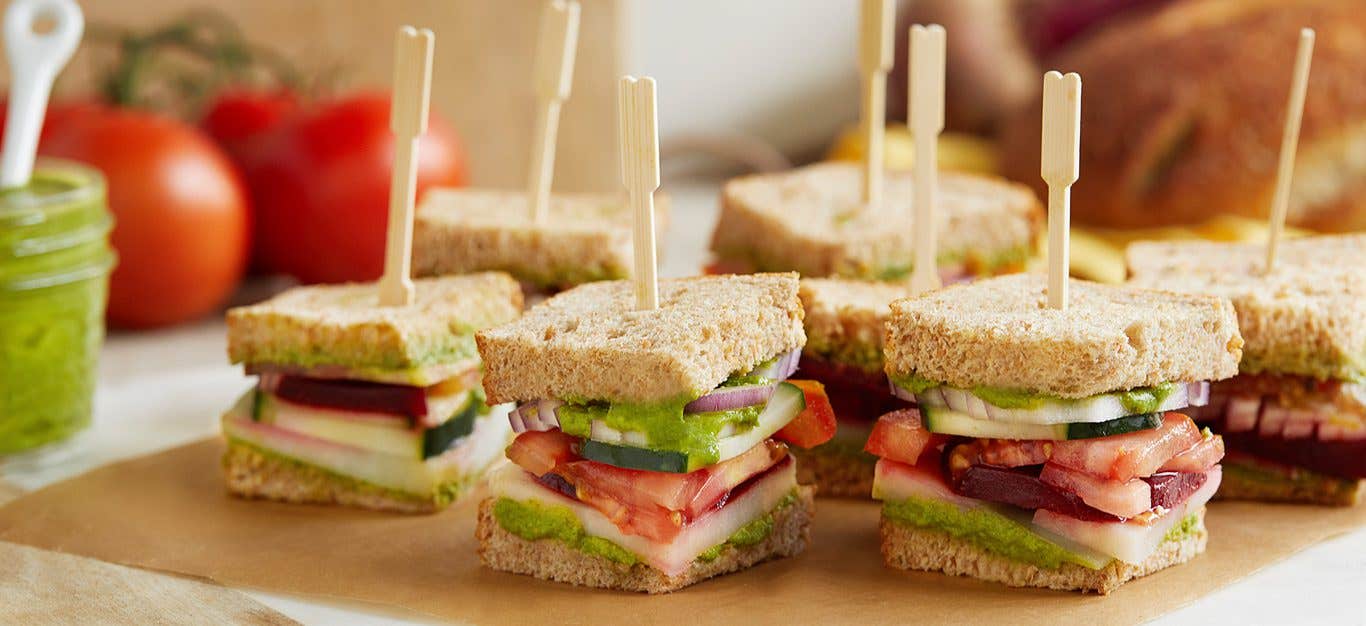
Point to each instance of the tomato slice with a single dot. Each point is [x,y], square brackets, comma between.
[539,452]
[1125,499]
[1131,455]
[1198,457]
[899,436]
[816,424]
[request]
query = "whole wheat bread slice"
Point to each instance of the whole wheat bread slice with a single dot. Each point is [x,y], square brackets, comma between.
[343,327]
[913,548]
[549,559]
[592,343]
[1308,317]
[809,220]
[846,319]
[585,236]
[999,332]
[1258,482]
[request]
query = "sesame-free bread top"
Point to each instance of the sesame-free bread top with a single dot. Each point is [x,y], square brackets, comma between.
[1000,333]
[590,343]
[585,236]
[845,319]
[1307,317]
[343,326]
[809,220]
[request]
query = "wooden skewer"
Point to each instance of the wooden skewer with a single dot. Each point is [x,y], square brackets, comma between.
[1290,138]
[925,107]
[554,73]
[1059,167]
[640,173]
[875,58]
[407,120]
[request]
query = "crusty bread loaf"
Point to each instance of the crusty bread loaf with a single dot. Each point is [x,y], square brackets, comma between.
[1184,113]
[1257,482]
[343,325]
[999,332]
[592,343]
[1308,317]
[833,473]
[585,237]
[845,319]
[913,548]
[251,474]
[809,220]
[549,559]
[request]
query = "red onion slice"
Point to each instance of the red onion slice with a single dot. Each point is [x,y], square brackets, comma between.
[727,398]
[536,415]
[782,368]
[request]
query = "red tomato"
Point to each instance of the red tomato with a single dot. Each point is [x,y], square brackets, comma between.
[899,436]
[816,424]
[1197,458]
[539,452]
[237,119]
[181,224]
[320,188]
[1131,455]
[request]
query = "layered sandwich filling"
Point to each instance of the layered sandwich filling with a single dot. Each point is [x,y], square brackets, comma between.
[1047,480]
[428,442]
[1279,425]
[665,485]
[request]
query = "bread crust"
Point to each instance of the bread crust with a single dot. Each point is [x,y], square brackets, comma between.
[808,220]
[913,548]
[591,343]
[585,237]
[1185,110]
[835,474]
[845,319]
[549,559]
[999,332]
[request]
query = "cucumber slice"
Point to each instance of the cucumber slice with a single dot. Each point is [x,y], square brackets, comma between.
[437,439]
[258,404]
[390,434]
[631,457]
[949,422]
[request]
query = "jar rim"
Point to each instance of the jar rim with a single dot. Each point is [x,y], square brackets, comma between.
[88,183]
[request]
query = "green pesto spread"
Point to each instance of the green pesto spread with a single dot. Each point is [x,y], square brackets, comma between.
[532,520]
[1135,401]
[914,383]
[864,355]
[389,365]
[665,426]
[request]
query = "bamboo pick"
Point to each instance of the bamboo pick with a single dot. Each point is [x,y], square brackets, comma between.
[1290,138]
[1059,168]
[640,173]
[554,73]
[875,58]
[407,120]
[925,108]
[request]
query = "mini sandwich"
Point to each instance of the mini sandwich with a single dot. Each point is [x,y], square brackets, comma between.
[1295,416]
[1047,447]
[653,445]
[363,405]
[845,320]
[585,237]
[809,220]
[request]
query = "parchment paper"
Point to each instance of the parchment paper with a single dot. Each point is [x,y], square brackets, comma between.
[169,511]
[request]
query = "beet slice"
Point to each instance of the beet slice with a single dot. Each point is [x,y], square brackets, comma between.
[350,395]
[1021,487]
[1343,459]
[857,396]
[1173,488]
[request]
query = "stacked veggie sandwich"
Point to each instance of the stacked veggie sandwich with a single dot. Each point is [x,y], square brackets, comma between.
[1295,416]
[1049,447]
[358,404]
[653,449]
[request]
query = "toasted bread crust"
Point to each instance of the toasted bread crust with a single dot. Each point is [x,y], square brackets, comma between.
[591,343]
[342,324]
[912,548]
[999,332]
[585,237]
[834,474]
[808,220]
[1186,110]
[1308,317]
[549,559]
[250,474]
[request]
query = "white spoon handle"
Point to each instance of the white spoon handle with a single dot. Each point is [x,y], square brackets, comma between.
[34,61]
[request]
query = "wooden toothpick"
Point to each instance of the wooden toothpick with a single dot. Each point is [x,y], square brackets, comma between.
[1059,167]
[1290,138]
[407,120]
[925,109]
[875,58]
[640,173]
[554,73]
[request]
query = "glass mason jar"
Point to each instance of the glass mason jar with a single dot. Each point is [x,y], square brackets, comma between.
[55,261]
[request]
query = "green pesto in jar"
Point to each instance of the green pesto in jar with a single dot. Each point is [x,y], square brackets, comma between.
[54,269]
